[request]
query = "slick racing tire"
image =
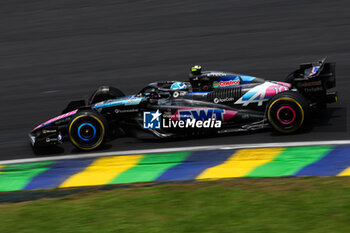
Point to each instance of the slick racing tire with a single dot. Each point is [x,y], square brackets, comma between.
[105,93]
[288,112]
[87,130]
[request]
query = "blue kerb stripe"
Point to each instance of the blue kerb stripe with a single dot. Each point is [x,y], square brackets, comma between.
[330,165]
[58,173]
[195,164]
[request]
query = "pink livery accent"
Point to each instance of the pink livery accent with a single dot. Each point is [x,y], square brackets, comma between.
[284,84]
[57,118]
[278,115]
[203,114]
[275,89]
[228,114]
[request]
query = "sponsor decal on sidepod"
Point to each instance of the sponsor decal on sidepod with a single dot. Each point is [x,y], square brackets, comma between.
[227,99]
[151,120]
[188,118]
[225,83]
[261,93]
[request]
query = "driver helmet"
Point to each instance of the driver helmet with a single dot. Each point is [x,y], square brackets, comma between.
[197,69]
[178,86]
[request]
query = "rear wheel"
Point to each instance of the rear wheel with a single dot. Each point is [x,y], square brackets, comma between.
[288,112]
[87,130]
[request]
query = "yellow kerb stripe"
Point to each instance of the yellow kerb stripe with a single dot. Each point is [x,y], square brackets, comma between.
[241,163]
[346,172]
[102,170]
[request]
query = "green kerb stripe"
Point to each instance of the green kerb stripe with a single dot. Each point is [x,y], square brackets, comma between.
[150,167]
[290,161]
[16,176]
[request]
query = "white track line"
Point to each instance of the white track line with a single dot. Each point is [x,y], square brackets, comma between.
[177,149]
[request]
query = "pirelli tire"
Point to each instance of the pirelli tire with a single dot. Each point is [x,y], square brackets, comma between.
[87,130]
[288,112]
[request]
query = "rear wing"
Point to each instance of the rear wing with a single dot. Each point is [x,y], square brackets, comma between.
[313,81]
[313,71]
[324,72]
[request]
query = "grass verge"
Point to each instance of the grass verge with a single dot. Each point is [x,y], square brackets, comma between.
[241,205]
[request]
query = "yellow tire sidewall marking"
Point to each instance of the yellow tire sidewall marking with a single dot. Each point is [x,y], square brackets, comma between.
[75,143]
[286,99]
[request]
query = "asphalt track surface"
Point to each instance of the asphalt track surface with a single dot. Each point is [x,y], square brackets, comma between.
[54,51]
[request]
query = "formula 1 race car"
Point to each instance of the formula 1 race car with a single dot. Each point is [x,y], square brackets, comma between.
[209,102]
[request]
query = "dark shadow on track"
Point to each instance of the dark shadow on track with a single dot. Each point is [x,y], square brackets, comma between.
[331,119]
[49,150]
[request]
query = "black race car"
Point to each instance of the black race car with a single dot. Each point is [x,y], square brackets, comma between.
[209,102]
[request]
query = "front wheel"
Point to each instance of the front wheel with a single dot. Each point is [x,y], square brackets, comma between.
[87,130]
[288,112]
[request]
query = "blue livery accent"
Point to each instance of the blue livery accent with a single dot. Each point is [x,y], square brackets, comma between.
[257,98]
[248,95]
[132,100]
[86,139]
[228,78]
[314,71]
[178,86]
[247,79]
[198,93]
